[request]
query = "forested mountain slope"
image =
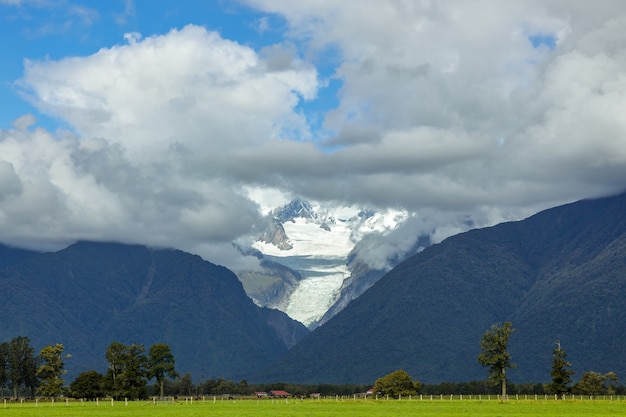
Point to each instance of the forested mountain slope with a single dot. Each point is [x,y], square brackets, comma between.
[558,276]
[91,294]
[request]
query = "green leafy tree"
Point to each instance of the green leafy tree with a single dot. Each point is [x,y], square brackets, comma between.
[161,364]
[22,366]
[51,370]
[397,383]
[560,373]
[88,385]
[494,353]
[590,383]
[126,376]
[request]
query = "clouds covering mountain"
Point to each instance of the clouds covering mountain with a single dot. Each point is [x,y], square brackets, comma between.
[179,136]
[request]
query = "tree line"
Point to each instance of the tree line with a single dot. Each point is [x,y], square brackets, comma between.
[127,375]
[130,369]
[495,356]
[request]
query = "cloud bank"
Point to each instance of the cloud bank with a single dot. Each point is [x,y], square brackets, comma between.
[480,111]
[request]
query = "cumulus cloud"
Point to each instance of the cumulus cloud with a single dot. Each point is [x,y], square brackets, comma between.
[481,111]
[188,87]
[57,190]
[462,108]
[152,119]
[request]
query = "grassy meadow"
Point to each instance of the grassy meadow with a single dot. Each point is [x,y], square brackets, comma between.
[320,408]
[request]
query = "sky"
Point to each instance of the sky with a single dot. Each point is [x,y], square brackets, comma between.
[178,123]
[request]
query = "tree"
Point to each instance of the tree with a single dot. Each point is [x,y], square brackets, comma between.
[494,354]
[22,365]
[561,375]
[127,370]
[396,384]
[114,355]
[88,384]
[51,370]
[590,383]
[610,378]
[161,364]
[185,385]
[4,366]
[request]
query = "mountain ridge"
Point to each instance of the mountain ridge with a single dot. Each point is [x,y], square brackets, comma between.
[548,274]
[91,294]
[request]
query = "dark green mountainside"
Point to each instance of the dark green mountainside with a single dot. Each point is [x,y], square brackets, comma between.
[558,276]
[91,294]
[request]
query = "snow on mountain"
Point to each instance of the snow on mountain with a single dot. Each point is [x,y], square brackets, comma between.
[317,243]
[308,238]
[316,293]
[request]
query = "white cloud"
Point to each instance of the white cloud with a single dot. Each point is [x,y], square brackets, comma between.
[154,118]
[189,87]
[444,107]
[485,117]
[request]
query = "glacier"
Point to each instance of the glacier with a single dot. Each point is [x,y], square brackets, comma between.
[321,241]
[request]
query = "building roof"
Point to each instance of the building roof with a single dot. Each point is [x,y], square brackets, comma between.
[280,393]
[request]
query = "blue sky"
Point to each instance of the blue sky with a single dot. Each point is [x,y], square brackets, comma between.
[175,123]
[56,29]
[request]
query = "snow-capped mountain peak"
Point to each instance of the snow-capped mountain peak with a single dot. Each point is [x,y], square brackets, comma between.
[295,209]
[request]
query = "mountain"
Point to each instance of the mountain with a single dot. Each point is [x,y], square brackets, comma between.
[311,258]
[295,209]
[559,275]
[362,276]
[91,294]
[10,256]
[271,285]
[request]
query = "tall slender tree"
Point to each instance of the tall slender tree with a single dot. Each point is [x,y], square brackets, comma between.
[4,366]
[610,378]
[560,373]
[161,364]
[494,353]
[51,370]
[114,355]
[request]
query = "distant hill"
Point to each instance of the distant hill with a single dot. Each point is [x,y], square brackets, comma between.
[91,294]
[10,256]
[558,276]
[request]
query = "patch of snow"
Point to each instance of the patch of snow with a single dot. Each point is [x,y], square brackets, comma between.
[309,239]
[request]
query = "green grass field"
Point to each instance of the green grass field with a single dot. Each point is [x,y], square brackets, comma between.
[321,408]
